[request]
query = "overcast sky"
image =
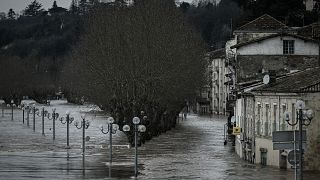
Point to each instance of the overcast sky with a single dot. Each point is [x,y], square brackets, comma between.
[19,5]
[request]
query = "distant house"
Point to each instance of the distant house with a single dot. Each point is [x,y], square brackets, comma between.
[220,81]
[3,15]
[266,44]
[280,52]
[262,26]
[311,4]
[57,11]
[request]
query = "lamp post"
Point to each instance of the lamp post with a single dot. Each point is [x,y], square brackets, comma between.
[23,108]
[53,116]
[68,120]
[42,116]
[34,117]
[83,125]
[137,128]
[28,114]
[304,117]
[112,129]
[11,105]
[2,109]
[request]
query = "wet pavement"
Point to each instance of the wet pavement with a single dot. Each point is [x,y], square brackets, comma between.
[192,150]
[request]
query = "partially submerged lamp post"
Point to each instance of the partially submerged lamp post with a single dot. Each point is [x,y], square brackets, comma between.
[68,120]
[21,106]
[11,105]
[42,117]
[34,117]
[112,129]
[83,125]
[28,115]
[137,128]
[304,117]
[53,116]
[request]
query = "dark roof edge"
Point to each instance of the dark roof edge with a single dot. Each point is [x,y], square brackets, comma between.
[258,19]
[272,36]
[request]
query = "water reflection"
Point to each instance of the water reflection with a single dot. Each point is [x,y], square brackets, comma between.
[192,150]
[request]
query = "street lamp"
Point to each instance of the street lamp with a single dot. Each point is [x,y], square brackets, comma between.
[112,129]
[11,105]
[34,117]
[2,109]
[304,117]
[53,116]
[21,106]
[68,120]
[28,114]
[84,125]
[137,128]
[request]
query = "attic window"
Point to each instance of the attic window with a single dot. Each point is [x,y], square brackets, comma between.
[288,46]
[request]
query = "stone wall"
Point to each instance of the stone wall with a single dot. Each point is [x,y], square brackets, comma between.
[250,67]
[312,156]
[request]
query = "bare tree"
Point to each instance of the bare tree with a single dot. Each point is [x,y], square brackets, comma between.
[138,58]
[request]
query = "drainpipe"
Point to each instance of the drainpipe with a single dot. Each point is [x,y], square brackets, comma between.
[254,131]
[279,113]
[244,136]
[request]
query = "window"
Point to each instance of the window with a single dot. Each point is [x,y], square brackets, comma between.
[288,46]
[274,125]
[259,122]
[266,124]
[283,125]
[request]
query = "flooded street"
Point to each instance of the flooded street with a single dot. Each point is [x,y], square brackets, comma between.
[193,150]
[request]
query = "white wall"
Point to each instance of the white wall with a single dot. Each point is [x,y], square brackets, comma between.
[273,156]
[274,46]
[309,4]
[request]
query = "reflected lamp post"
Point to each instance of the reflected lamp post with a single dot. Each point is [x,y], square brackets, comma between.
[67,120]
[304,117]
[53,116]
[137,128]
[37,112]
[83,125]
[112,129]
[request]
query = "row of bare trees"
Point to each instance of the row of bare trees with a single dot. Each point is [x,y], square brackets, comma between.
[20,77]
[137,58]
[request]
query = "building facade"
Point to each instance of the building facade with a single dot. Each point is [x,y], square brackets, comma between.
[272,101]
[267,46]
[219,85]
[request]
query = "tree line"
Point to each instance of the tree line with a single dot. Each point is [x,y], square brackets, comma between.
[144,59]
[133,59]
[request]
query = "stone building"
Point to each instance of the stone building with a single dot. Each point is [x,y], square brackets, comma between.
[266,46]
[219,85]
[271,101]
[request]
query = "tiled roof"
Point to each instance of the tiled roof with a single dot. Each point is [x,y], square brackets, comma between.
[297,82]
[272,36]
[311,30]
[263,23]
[217,53]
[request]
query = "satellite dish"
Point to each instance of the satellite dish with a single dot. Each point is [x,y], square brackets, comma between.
[266,79]
[233,119]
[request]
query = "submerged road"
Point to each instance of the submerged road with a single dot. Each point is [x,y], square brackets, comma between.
[192,150]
